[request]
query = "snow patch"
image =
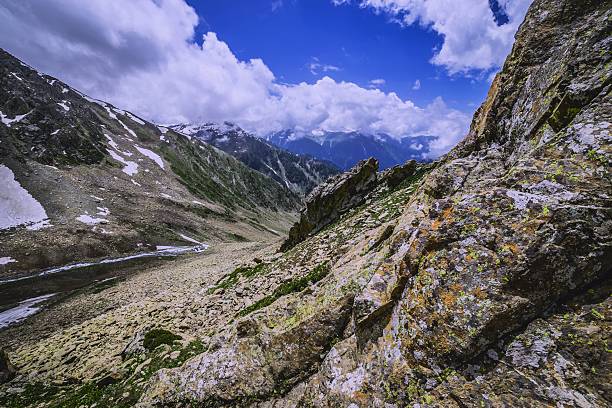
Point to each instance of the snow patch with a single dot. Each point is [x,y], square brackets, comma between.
[151,155]
[63,105]
[17,206]
[6,260]
[130,168]
[24,309]
[135,118]
[89,220]
[103,211]
[16,119]
[186,238]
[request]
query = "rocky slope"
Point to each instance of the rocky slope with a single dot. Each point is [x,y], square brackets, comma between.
[298,173]
[482,280]
[492,287]
[345,149]
[87,180]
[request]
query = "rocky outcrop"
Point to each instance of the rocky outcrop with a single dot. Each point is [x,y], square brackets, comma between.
[7,371]
[346,191]
[476,294]
[331,199]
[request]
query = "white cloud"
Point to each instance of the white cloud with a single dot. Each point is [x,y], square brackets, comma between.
[316,67]
[472,38]
[375,83]
[417,85]
[140,55]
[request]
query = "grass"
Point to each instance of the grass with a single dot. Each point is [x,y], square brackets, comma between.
[125,393]
[242,271]
[156,337]
[293,286]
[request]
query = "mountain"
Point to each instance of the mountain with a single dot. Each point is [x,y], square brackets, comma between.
[483,281]
[297,172]
[480,280]
[83,179]
[345,149]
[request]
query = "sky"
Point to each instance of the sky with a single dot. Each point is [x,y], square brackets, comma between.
[400,67]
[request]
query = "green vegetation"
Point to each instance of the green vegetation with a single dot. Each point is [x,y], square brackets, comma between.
[244,271]
[124,393]
[293,286]
[156,337]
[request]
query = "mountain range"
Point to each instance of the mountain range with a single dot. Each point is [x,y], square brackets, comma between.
[345,149]
[481,279]
[299,173]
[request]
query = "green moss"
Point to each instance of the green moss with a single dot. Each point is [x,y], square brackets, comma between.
[125,393]
[156,337]
[293,286]
[244,271]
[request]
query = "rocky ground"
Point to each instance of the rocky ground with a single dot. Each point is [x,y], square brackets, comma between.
[82,338]
[481,280]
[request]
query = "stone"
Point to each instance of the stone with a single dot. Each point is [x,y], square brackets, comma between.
[7,371]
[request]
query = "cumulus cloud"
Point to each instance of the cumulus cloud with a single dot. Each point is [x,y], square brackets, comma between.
[417,85]
[141,55]
[374,83]
[472,38]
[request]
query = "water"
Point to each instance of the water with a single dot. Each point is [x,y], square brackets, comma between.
[25,296]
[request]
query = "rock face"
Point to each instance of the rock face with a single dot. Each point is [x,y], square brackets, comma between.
[481,290]
[7,371]
[329,200]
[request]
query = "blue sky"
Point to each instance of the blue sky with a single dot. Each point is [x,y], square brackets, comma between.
[269,65]
[364,46]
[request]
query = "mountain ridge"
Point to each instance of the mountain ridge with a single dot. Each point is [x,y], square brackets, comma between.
[298,173]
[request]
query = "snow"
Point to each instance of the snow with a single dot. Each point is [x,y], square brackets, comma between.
[24,309]
[97,198]
[135,118]
[103,211]
[166,196]
[134,182]
[6,260]
[16,119]
[17,206]
[55,132]
[186,238]
[16,76]
[64,90]
[89,220]
[39,225]
[151,155]
[110,113]
[115,146]
[63,105]
[161,251]
[130,168]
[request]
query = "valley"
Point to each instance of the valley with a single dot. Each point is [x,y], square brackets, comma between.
[196,265]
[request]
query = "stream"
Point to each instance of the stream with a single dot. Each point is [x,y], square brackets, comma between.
[25,296]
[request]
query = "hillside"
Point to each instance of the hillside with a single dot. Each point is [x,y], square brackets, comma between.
[298,173]
[480,280]
[88,180]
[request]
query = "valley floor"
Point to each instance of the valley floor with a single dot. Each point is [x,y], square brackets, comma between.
[83,336]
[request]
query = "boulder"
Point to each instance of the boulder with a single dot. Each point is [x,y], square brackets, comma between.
[7,371]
